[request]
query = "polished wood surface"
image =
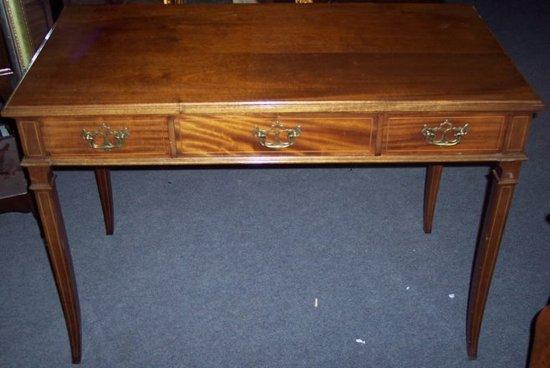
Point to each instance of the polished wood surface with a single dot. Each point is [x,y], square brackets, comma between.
[504,180]
[402,135]
[431,188]
[43,185]
[227,139]
[321,57]
[38,20]
[103,180]
[360,80]
[518,130]
[224,135]
[148,136]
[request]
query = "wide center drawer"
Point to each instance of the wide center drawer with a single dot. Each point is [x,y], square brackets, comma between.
[142,136]
[267,134]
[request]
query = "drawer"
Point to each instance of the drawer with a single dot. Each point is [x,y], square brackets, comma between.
[141,137]
[287,135]
[455,134]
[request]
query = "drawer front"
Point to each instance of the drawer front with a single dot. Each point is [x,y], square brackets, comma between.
[258,135]
[443,134]
[108,137]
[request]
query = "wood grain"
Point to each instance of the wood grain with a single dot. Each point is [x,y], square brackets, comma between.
[191,82]
[43,185]
[371,107]
[270,159]
[505,177]
[148,136]
[518,131]
[431,187]
[31,138]
[223,135]
[403,134]
[337,57]
[103,180]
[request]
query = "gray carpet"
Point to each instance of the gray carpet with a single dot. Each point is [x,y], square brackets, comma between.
[221,267]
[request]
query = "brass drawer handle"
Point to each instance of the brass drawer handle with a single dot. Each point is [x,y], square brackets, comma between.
[274,134]
[439,136]
[109,139]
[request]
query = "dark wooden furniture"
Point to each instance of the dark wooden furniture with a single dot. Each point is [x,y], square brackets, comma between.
[6,71]
[274,84]
[120,2]
[540,352]
[39,17]
[14,193]
[23,203]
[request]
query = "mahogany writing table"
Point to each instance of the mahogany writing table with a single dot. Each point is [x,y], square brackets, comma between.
[277,84]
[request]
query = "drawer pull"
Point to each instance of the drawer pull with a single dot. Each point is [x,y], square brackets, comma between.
[109,139]
[274,134]
[444,134]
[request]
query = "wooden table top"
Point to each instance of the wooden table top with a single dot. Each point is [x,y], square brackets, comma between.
[283,57]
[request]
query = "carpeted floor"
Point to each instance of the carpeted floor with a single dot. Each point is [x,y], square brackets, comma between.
[220,268]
